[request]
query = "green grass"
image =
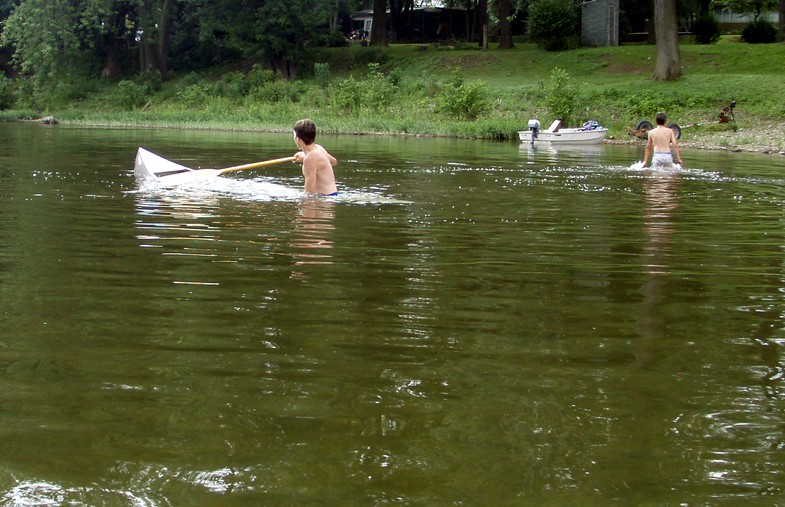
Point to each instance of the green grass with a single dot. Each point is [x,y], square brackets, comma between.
[614,86]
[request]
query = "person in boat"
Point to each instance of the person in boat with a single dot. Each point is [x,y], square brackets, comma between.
[661,139]
[317,162]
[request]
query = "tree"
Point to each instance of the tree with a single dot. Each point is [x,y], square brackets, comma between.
[554,24]
[668,64]
[754,7]
[481,22]
[379,25]
[505,31]
[782,20]
[53,39]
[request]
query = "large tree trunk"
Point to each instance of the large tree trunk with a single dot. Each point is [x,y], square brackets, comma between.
[379,26]
[147,52]
[482,23]
[165,36]
[782,20]
[505,31]
[395,21]
[668,66]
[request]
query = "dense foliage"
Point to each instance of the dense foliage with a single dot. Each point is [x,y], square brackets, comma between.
[760,32]
[706,29]
[554,24]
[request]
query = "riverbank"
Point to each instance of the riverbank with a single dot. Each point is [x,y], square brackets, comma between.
[419,90]
[764,139]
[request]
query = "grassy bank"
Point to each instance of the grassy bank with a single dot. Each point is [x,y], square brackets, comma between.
[465,92]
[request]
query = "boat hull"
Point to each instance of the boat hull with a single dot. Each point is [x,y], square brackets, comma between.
[565,136]
[151,167]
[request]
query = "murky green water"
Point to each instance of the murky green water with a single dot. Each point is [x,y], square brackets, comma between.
[470,323]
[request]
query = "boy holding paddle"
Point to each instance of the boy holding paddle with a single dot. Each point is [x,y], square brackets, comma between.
[661,139]
[317,163]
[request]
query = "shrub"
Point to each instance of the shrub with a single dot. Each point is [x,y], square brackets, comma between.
[760,32]
[379,90]
[236,84]
[259,76]
[277,90]
[554,24]
[131,95]
[199,94]
[705,28]
[346,95]
[562,96]
[333,39]
[153,80]
[463,101]
[6,92]
[321,72]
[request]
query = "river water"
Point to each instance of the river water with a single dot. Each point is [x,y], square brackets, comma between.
[468,323]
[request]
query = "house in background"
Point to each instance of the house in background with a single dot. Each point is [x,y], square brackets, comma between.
[600,22]
[421,24]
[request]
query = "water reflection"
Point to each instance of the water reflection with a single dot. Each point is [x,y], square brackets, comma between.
[660,190]
[553,153]
[312,236]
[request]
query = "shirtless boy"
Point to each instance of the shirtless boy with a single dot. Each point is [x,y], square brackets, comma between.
[317,163]
[661,139]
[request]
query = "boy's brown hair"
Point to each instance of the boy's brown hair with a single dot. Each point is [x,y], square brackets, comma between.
[306,131]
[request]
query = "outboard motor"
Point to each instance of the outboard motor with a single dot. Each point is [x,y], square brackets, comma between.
[534,127]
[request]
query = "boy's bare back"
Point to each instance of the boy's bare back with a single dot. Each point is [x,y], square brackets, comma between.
[317,163]
[318,171]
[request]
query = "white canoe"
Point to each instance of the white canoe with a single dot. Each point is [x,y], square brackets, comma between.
[151,167]
[566,136]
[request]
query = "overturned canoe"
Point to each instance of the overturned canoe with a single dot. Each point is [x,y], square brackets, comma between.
[151,167]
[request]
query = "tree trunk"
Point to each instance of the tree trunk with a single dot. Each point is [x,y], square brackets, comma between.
[505,30]
[147,50]
[379,25]
[395,21]
[652,28]
[112,69]
[482,23]
[668,66]
[165,36]
[782,20]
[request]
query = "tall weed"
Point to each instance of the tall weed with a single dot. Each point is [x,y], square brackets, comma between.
[562,96]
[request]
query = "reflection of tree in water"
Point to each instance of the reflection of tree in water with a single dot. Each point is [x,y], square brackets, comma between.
[312,235]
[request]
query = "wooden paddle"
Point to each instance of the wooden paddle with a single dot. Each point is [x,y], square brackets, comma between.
[254,165]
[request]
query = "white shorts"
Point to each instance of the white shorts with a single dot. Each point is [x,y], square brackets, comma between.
[662,160]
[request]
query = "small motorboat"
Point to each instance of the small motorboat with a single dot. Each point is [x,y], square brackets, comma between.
[590,133]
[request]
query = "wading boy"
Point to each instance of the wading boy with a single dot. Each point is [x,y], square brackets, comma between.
[660,141]
[317,163]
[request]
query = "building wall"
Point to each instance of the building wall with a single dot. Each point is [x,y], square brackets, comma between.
[600,22]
